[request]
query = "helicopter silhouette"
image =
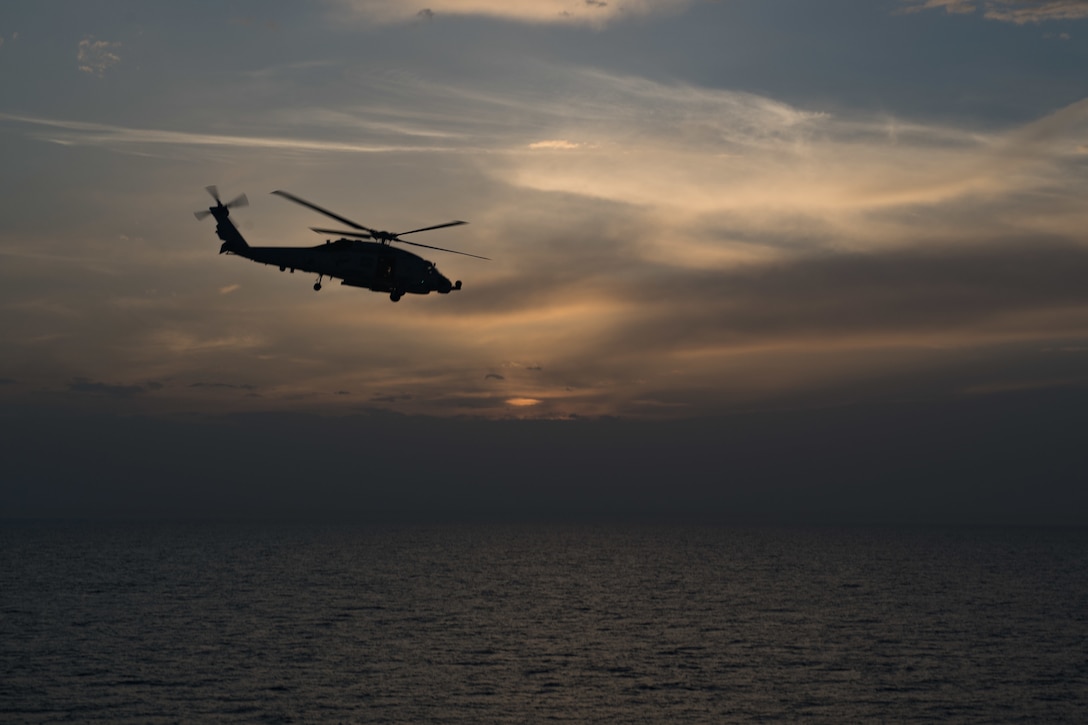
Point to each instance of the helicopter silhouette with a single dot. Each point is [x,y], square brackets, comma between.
[374,265]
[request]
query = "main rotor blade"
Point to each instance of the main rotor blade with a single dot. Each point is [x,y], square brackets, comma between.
[361,235]
[202,215]
[214,191]
[238,201]
[436,226]
[442,249]
[291,197]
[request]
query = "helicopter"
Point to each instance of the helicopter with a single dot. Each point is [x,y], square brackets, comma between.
[375,265]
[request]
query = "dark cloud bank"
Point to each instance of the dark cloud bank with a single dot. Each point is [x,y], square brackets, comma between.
[929,288]
[986,459]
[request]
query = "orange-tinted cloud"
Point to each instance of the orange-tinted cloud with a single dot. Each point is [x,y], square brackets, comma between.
[587,12]
[670,249]
[1020,12]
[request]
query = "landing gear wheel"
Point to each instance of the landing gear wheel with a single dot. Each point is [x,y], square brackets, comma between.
[395,296]
[317,286]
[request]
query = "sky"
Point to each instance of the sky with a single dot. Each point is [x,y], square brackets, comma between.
[718,229]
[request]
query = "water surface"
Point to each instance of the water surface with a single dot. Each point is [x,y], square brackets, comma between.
[142,623]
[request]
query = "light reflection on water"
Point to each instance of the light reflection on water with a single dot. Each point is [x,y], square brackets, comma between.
[527,623]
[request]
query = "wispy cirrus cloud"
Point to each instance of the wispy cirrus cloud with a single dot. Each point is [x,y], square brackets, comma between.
[707,151]
[82,133]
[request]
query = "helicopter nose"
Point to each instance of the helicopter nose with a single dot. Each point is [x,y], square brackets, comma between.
[442,285]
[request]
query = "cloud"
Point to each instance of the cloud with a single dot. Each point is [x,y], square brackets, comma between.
[683,339]
[96,134]
[494,376]
[121,392]
[696,249]
[680,154]
[958,7]
[390,398]
[97,56]
[224,386]
[581,12]
[557,144]
[1020,12]
[1024,287]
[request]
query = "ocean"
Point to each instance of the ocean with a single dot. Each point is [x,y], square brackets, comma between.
[615,623]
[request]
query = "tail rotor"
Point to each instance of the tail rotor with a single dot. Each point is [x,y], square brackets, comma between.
[234,203]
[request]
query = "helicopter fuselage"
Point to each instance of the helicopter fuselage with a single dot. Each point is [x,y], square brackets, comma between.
[372,265]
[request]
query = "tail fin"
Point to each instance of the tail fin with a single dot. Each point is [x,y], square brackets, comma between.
[233,241]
